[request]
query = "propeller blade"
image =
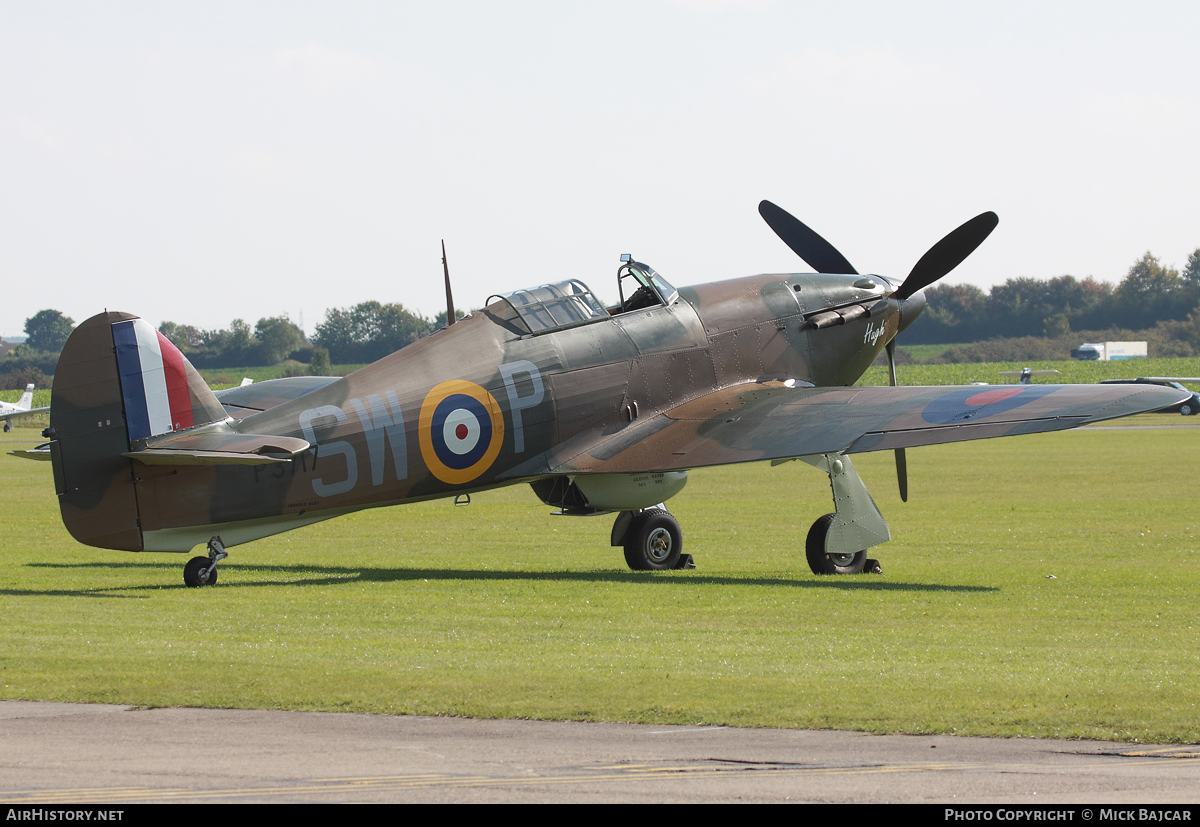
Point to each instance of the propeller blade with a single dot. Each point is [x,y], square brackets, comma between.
[902,474]
[901,460]
[947,254]
[817,253]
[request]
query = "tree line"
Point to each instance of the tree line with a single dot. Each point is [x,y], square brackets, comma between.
[363,333]
[1148,295]
[1024,318]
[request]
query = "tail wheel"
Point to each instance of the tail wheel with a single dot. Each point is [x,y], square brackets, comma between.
[191,573]
[820,561]
[653,542]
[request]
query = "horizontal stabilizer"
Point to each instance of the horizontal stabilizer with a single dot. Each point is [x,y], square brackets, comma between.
[42,452]
[167,456]
[218,446]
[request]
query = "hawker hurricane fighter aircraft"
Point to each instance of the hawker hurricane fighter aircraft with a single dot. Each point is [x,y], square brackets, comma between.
[599,409]
[21,408]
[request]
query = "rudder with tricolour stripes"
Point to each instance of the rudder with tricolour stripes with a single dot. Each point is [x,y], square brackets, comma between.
[118,383]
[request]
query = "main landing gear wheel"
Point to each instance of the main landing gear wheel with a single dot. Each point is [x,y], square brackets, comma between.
[653,542]
[199,573]
[823,563]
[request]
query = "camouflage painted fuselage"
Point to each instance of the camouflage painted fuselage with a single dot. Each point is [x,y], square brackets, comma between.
[605,414]
[543,400]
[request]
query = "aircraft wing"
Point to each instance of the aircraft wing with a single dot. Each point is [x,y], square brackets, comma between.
[11,415]
[753,422]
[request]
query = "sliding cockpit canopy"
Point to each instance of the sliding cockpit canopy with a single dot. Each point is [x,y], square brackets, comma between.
[570,303]
[554,306]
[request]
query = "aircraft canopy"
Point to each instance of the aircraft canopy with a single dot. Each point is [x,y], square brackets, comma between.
[555,306]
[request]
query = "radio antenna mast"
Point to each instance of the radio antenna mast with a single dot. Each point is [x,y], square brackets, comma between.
[449,298]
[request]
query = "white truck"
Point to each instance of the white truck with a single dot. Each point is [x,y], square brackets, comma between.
[1109,351]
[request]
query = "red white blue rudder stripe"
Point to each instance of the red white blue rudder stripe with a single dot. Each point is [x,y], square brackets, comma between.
[154,381]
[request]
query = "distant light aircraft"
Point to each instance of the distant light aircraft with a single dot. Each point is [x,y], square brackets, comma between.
[599,409]
[1026,374]
[21,408]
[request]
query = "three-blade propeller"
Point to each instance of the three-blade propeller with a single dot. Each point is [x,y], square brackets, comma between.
[940,259]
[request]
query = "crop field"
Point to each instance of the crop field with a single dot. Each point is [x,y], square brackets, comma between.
[1071,371]
[1039,586]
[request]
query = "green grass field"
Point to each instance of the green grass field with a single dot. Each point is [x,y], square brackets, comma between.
[1037,586]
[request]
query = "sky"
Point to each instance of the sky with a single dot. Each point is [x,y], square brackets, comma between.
[200,162]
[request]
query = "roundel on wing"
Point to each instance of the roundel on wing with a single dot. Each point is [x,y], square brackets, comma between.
[970,404]
[461,429]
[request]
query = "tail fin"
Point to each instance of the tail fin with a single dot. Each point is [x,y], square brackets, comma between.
[26,400]
[160,389]
[118,382]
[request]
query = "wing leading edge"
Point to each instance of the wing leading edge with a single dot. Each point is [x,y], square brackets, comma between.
[9,416]
[754,422]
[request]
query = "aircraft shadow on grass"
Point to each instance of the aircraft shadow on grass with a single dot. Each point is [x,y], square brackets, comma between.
[334,575]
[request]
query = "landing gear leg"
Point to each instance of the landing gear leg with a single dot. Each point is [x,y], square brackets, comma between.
[652,539]
[837,542]
[202,571]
